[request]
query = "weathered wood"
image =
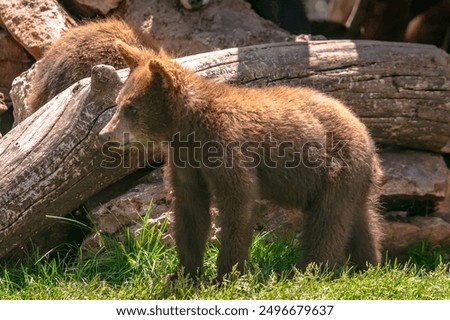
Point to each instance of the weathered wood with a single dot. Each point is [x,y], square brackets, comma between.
[52,162]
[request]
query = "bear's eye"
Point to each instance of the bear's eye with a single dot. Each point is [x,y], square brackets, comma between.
[130,110]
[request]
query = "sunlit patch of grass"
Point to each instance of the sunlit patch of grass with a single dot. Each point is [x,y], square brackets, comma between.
[136,267]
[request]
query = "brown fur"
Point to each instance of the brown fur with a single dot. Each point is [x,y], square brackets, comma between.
[72,57]
[161,99]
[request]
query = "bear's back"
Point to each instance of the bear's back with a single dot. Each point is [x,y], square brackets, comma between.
[72,57]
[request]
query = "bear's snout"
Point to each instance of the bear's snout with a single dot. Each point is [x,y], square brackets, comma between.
[110,134]
[105,134]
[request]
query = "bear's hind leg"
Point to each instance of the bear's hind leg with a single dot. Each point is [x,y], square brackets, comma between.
[365,241]
[326,231]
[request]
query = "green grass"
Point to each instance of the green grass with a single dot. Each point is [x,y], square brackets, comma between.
[136,269]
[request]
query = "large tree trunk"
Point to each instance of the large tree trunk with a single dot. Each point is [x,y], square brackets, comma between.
[52,162]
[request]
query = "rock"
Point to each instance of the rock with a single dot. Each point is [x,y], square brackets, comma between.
[20,90]
[220,24]
[91,8]
[13,61]
[443,207]
[280,222]
[401,236]
[129,210]
[91,245]
[432,229]
[394,215]
[414,175]
[164,221]
[3,106]
[442,215]
[131,207]
[35,24]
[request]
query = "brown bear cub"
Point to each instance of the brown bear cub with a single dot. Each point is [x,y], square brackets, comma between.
[72,57]
[293,146]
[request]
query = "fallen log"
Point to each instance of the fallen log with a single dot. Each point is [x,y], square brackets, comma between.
[52,162]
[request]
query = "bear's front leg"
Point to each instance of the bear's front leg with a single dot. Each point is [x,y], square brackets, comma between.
[235,193]
[192,218]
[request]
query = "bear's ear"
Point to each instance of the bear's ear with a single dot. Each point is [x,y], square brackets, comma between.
[131,55]
[167,74]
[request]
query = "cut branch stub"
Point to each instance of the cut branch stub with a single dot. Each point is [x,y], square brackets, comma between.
[104,79]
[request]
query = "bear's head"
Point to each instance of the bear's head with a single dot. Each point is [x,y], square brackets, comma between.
[145,102]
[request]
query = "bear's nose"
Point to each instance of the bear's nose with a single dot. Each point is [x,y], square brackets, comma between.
[105,135]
